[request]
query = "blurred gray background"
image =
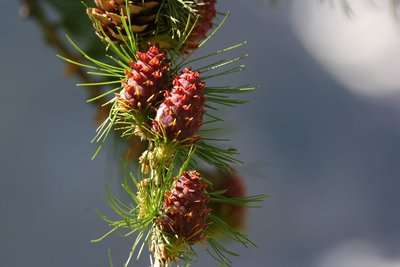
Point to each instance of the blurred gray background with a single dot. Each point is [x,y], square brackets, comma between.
[321,136]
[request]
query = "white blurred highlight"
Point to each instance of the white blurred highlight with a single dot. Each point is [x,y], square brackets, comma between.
[357,254]
[362,51]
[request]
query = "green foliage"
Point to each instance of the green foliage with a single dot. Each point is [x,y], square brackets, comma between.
[140,216]
[175,16]
[123,54]
[165,159]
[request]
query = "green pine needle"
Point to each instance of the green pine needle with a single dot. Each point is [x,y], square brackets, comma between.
[147,191]
[110,260]
[175,15]
[244,202]
[215,156]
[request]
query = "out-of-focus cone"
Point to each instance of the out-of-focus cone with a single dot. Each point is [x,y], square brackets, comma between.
[107,17]
[206,12]
[233,215]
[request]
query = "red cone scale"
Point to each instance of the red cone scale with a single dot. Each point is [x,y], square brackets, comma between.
[185,210]
[146,81]
[180,116]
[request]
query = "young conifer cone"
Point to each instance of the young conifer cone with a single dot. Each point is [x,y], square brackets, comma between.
[185,211]
[206,11]
[145,82]
[180,116]
[107,15]
[233,215]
